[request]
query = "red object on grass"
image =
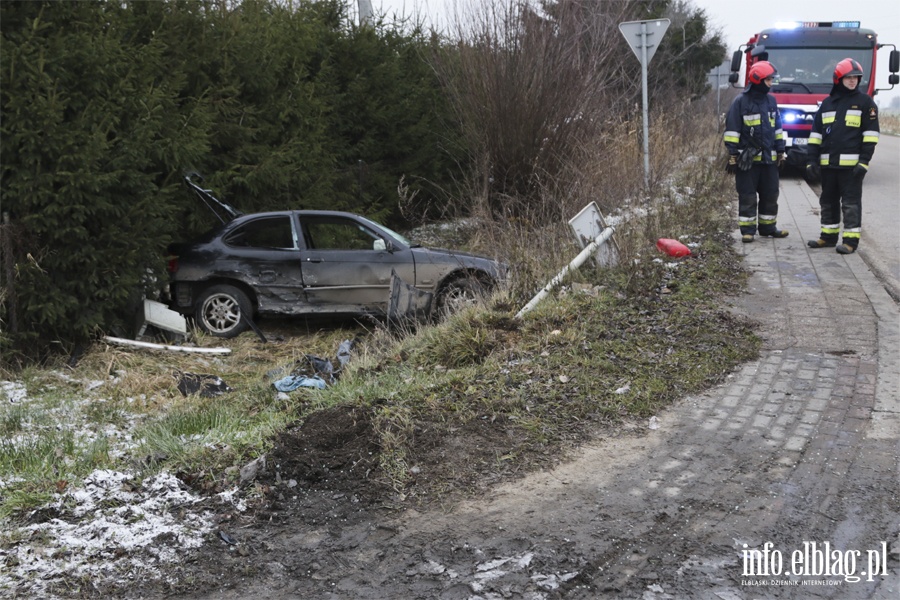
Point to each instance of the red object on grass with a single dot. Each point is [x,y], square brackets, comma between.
[673,247]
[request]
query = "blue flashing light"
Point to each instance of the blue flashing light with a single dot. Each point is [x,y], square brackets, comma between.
[817,24]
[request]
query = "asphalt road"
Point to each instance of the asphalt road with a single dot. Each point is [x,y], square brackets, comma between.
[880,242]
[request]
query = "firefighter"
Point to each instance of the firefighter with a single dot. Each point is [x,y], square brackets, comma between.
[755,143]
[841,144]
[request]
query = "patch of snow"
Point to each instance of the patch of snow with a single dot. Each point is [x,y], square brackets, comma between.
[113,527]
[14,391]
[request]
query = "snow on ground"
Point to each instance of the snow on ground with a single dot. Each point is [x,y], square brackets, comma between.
[113,526]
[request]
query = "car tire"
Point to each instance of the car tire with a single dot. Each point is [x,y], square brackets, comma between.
[223,311]
[458,294]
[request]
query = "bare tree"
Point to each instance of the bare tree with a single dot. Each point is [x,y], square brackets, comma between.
[532,86]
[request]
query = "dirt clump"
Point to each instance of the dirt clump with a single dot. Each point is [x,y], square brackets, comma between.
[325,468]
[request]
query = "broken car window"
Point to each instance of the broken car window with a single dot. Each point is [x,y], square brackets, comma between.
[268,232]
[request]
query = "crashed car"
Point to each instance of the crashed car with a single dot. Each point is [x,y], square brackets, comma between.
[315,262]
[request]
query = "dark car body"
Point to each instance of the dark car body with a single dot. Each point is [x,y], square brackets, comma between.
[306,262]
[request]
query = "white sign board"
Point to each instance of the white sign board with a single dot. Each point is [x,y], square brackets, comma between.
[587,225]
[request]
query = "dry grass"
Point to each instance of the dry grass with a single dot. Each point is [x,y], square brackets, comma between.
[889,122]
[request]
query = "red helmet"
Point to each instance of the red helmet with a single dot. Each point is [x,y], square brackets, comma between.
[846,68]
[760,71]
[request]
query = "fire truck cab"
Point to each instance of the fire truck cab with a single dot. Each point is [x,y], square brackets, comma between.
[805,54]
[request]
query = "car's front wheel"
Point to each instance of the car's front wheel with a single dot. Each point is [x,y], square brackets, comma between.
[223,311]
[458,294]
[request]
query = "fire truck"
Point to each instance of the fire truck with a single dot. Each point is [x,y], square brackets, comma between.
[805,54]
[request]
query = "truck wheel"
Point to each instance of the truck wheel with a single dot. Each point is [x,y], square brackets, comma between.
[223,311]
[458,294]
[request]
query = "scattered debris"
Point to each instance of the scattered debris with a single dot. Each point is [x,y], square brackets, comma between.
[208,386]
[162,317]
[624,389]
[672,247]
[152,346]
[293,382]
[227,538]
[654,423]
[312,371]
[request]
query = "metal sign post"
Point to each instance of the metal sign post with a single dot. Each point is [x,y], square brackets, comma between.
[638,34]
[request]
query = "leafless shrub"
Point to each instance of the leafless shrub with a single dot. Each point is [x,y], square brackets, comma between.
[549,99]
[531,90]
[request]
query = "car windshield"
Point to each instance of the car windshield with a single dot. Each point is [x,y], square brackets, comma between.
[815,66]
[389,231]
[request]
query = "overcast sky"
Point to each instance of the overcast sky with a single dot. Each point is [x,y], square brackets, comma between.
[737,20]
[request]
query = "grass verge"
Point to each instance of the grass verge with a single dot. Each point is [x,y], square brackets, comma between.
[477,398]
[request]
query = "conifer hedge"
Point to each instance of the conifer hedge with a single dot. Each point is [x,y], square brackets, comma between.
[105,105]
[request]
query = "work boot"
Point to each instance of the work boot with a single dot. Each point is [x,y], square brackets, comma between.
[747,238]
[820,243]
[845,249]
[778,233]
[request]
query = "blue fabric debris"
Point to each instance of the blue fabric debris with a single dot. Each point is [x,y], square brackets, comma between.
[293,382]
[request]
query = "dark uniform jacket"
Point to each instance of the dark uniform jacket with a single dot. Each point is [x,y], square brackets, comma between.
[754,113]
[845,130]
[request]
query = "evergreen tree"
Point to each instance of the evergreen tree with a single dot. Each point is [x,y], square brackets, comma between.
[105,105]
[89,125]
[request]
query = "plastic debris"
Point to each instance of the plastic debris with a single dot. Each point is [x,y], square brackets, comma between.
[672,247]
[208,386]
[654,423]
[343,353]
[311,371]
[227,538]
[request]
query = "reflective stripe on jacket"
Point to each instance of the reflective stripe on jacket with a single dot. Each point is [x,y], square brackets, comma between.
[754,114]
[844,131]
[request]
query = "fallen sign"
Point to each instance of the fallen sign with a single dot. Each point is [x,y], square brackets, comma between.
[576,262]
[586,226]
[152,346]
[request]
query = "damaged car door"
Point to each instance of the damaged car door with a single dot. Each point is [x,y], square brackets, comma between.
[266,253]
[347,264]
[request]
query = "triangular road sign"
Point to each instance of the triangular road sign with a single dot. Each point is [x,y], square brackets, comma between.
[634,35]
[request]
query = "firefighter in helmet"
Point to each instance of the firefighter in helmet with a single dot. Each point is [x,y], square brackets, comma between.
[841,144]
[755,143]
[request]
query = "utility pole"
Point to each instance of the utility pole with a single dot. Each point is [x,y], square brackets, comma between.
[365,11]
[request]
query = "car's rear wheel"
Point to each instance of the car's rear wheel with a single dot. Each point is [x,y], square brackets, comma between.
[459,294]
[223,311]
